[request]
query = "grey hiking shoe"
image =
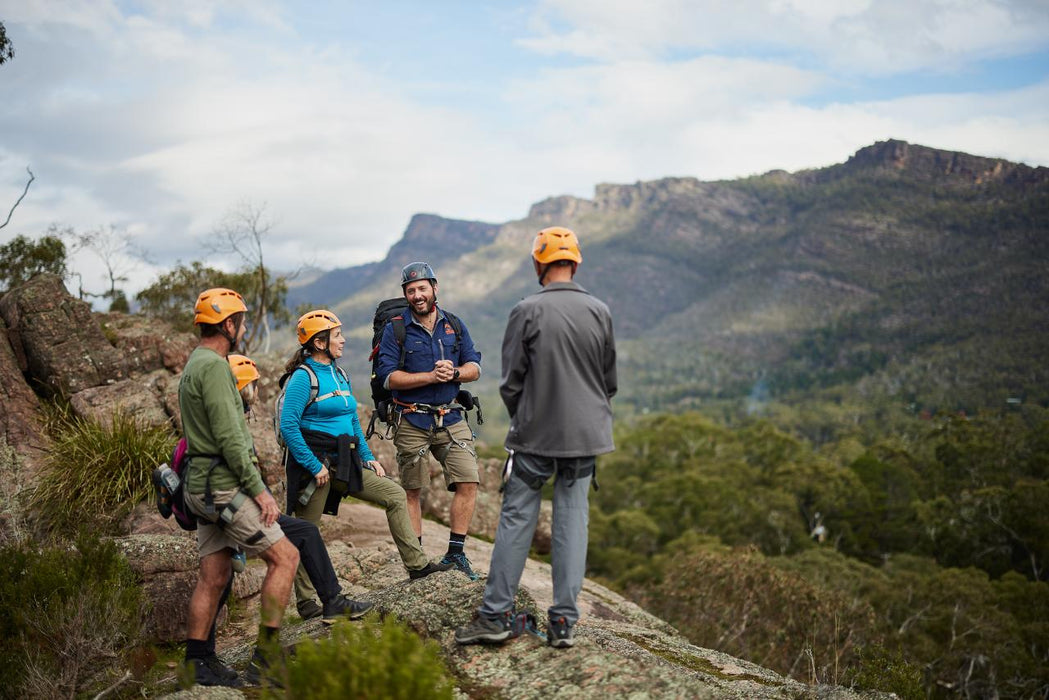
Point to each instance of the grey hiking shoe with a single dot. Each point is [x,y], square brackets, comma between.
[308,609]
[484,630]
[461,563]
[430,568]
[344,607]
[559,633]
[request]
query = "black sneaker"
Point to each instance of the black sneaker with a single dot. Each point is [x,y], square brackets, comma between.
[344,607]
[211,671]
[461,563]
[220,669]
[559,633]
[430,568]
[486,630]
[258,671]
[308,609]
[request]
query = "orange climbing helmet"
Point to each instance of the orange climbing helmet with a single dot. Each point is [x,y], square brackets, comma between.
[244,370]
[313,322]
[556,243]
[216,305]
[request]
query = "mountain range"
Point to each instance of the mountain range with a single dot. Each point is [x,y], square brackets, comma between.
[906,272]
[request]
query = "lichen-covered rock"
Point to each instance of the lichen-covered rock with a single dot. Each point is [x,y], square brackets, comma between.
[21,424]
[167,566]
[148,344]
[132,397]
[65,349]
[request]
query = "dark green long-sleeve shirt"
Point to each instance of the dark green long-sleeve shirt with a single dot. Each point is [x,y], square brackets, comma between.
[213,424]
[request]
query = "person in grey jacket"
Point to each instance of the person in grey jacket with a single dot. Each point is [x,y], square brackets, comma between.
[559,375]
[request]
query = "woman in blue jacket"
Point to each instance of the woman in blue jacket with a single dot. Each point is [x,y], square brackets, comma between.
[315,426]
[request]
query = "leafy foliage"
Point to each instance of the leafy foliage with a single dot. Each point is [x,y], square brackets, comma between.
[104,468]
[172,296]
[21,258]
[370,660]
[936,548]
[69,614]
[7,49]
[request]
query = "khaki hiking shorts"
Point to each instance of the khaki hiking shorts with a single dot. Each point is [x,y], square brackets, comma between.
[246,532]
[453,447]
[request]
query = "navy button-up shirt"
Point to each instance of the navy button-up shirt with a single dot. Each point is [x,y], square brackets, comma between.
[422,351]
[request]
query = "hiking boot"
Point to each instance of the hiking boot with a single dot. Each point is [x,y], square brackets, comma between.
[213,662]
[211,671]
[308,609]
[430,568]
[344,607]
[485,630]
[461,563]
[559,633]
[258,671]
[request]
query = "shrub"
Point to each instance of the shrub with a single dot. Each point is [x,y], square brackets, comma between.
[374,660]
[69,614]
[13,525]
[103,467]
[879,669]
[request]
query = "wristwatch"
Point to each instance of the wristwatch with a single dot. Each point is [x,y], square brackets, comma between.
[455,376]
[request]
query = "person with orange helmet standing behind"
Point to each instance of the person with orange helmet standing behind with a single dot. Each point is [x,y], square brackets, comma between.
[225,490]
[559,376]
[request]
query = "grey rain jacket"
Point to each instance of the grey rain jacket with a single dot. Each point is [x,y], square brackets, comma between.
[559,373]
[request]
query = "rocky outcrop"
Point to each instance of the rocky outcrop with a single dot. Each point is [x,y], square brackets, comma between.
[64,346]
[167,566]
[21,425]
[933,163]
[147,344]
[138,398]
[621,650]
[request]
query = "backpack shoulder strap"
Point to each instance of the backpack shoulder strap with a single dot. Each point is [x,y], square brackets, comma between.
[399,334]
[457,326]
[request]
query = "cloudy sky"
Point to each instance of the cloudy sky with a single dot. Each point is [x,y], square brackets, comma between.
[342,119]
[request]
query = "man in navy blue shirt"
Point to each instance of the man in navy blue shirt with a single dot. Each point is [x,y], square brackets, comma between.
[437,359]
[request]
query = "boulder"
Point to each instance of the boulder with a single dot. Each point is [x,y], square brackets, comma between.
[167,565]
[21,424]
[65,349]
[133,397]
[147,344]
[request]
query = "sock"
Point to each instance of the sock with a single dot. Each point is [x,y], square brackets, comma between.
[456,543]
[196,649]
[420,540]
[268,634]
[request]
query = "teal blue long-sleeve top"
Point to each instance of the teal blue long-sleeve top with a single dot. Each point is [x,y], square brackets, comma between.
[334,415]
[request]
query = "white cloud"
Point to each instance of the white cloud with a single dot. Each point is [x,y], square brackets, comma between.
[866,37]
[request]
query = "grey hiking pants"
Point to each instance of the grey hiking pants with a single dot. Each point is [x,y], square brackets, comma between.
[517,522]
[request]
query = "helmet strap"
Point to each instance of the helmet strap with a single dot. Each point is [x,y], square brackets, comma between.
[236,331]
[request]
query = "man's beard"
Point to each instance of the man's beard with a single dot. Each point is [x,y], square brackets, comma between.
[428,310]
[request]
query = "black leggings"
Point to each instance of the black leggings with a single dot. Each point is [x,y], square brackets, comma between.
[315,560]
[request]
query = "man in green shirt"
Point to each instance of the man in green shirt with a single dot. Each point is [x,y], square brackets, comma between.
[225,490]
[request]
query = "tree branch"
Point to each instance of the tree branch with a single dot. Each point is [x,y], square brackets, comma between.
[30,182]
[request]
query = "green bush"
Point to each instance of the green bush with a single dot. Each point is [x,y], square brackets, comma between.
[103,467]
[879,669]
[70,612]
[371,660]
